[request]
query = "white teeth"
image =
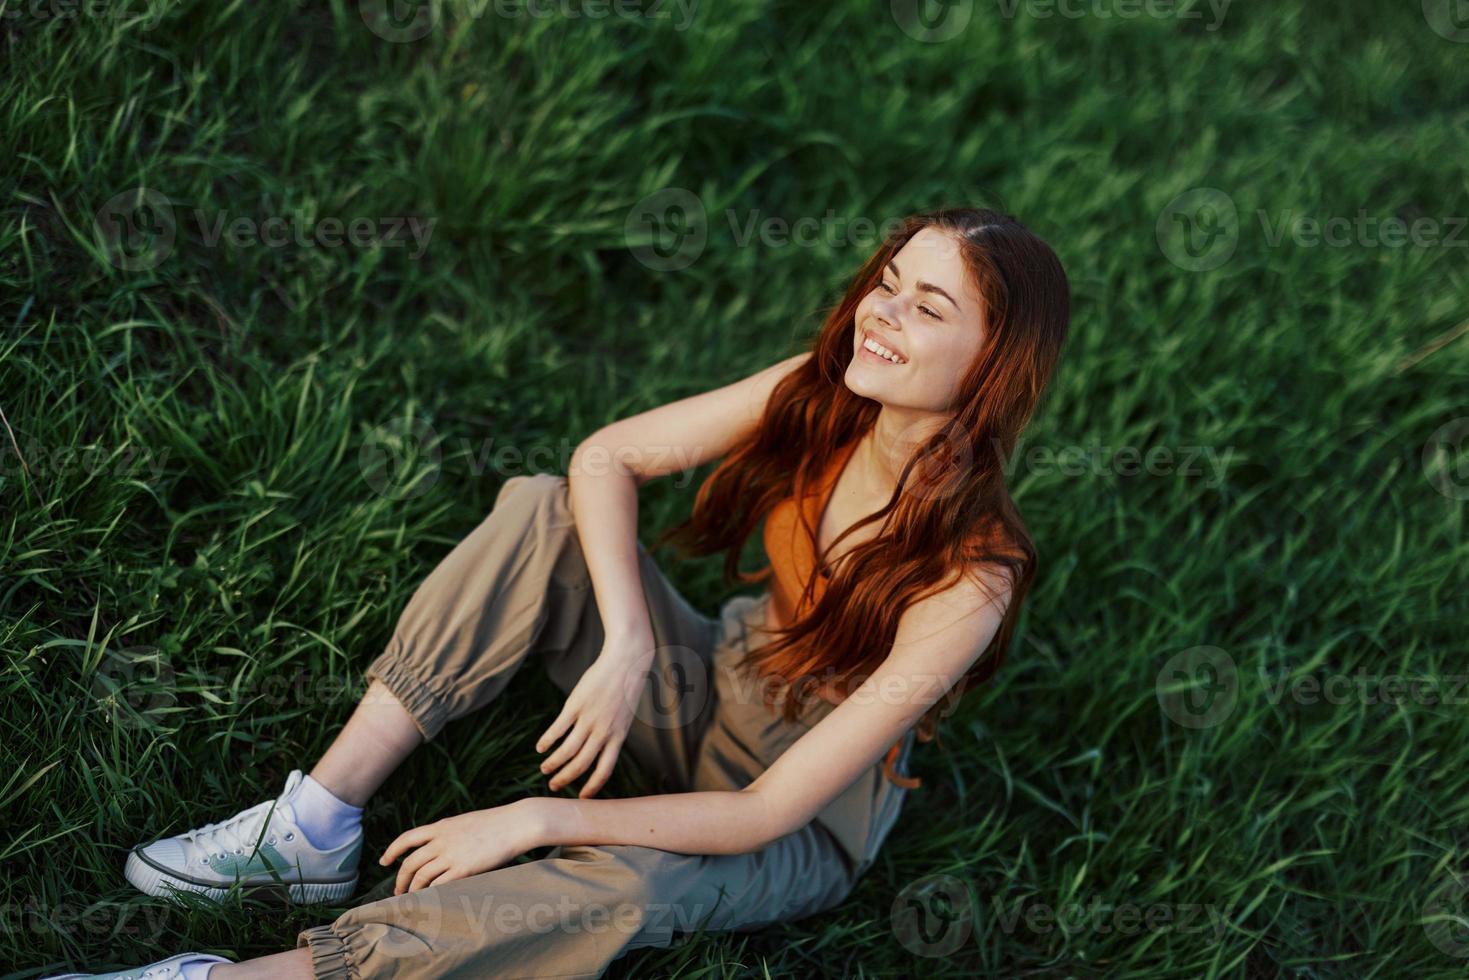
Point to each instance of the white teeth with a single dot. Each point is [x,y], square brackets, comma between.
[881,351]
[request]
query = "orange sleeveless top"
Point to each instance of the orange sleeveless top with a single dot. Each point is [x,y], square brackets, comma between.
[792,555]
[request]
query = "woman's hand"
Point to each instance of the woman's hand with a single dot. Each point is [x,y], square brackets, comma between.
[597,715]
[458,847]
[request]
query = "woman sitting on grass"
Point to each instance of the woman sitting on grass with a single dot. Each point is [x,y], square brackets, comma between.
[898,567]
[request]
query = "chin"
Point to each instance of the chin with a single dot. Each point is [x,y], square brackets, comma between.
[860,385]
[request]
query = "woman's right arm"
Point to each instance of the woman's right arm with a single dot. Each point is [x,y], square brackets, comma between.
[605,473]
[611,464]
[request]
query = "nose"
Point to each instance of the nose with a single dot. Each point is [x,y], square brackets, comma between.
[886,312]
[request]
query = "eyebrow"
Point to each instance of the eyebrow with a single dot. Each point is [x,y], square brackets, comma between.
[925,287]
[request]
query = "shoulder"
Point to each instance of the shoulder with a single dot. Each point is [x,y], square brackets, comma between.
[954,624]
[978,588]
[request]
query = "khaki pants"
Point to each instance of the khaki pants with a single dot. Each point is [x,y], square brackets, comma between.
[518,587]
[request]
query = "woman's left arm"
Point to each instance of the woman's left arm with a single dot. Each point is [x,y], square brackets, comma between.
[938,639]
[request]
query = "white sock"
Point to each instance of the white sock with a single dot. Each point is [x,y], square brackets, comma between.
[327,822]
[194,970]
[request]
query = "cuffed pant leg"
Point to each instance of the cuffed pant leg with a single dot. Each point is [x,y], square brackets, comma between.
[573,912]
[518,585]
[515,583]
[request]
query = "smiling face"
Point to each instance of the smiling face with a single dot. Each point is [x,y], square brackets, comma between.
[925,310]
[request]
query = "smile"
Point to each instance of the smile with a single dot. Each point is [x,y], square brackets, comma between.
[876,352]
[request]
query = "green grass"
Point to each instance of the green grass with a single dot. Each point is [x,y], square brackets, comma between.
[196,482]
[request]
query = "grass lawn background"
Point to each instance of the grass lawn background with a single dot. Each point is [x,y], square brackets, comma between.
[232,461]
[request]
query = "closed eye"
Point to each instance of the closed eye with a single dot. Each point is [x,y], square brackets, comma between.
[884,284]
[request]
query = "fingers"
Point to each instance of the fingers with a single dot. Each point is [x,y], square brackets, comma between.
[558,728]
[411,866]
[453,874]
[577,766]
[599,776]
[429,874]
[407,840]
[569,747]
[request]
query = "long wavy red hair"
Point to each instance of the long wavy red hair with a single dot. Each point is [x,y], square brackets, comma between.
[951,511]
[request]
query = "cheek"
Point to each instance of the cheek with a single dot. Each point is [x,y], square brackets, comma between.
[941,360]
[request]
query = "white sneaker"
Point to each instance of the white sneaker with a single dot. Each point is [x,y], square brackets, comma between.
[261,847]
[162,970]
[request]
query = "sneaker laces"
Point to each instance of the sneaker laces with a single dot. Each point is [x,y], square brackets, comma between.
[239,834]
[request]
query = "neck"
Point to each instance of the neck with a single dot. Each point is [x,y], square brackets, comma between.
[893,440]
